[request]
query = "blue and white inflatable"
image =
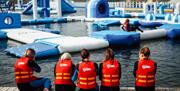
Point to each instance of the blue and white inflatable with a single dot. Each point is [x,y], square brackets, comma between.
[97,9]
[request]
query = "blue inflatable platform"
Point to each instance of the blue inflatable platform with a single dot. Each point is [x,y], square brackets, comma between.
[173,30]
[149,24]
[118,37]
[44,21]
[107,22]
[42,50]
[3,35]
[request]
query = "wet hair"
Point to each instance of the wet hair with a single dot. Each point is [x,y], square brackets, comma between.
[65,56]
[109,54]
[30,52]
[127,20]
[145,51]
[84,54]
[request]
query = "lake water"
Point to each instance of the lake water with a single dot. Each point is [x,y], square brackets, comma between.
[164,51]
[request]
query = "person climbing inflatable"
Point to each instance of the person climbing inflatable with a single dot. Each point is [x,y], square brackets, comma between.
[127,27]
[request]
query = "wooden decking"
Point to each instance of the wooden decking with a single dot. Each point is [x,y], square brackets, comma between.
[9,89]
[122,89]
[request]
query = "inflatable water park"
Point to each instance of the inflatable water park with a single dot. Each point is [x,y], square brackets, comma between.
[157,20]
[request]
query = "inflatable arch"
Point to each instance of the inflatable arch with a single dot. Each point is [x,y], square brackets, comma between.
[97,9]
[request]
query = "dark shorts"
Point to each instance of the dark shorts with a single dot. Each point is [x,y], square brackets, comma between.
[65,87]
[104,88]
[145,88]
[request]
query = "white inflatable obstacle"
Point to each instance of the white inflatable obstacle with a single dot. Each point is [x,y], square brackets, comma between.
[75,44]
[152,34]
[27,35]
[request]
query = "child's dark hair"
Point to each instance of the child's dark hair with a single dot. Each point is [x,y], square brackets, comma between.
[29,52]
[145,51]
[84,54]
[109,54]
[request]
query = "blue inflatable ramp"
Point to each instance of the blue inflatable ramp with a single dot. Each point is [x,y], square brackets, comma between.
[107,22]
[118,37]
[42,50]
[3,35]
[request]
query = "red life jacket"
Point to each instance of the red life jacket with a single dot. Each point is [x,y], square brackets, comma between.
[86,75]
[110,73]
[23,73]
[145,74]
[63,72]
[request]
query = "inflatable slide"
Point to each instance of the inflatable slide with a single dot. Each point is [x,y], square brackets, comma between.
[65,4]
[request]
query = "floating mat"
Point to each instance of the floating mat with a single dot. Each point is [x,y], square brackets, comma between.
[118,37]
[48,30]
[107,22]
[3,35]
[41,49]
[27,35]
[75,44]
[149,23]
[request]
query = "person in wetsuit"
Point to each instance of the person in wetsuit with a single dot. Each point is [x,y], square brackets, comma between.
[127,27]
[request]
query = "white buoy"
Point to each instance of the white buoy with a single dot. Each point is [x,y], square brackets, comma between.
[177,9]
[35,14]
[59,10]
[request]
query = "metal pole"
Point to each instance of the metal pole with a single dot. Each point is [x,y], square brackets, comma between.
[34,9]
[59,10]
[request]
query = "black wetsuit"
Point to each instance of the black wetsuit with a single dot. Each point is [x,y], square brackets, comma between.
[143,88]
[104,88]
[132,28]
[94,89]
[27,86]
[65,87]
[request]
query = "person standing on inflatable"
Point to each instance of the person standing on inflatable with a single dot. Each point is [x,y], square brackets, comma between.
[127,27]
[144,71]
[87,72]
[110,72]
[24,68]
[63,73]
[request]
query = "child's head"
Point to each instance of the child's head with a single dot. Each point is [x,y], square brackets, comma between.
[30,53]
[65,56]
[144,53]
[109,54]
[85,54]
